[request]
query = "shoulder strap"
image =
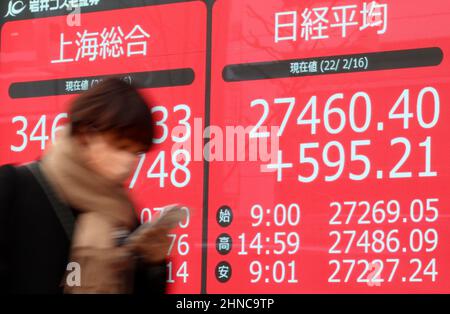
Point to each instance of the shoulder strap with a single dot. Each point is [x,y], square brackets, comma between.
[62,211]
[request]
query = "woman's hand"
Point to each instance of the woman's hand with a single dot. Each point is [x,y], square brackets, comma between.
[151,243]
[151,240]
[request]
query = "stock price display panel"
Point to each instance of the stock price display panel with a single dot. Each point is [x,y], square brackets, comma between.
[325,127]
[342,181]
[48,56]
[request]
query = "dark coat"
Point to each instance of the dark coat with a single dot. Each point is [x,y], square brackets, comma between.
[34,248]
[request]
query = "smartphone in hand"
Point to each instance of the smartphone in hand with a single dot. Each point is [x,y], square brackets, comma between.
[150,240]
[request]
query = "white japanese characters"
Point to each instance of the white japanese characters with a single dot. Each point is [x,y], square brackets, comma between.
[321,22]
[18,7]
[37,6]
[110,43]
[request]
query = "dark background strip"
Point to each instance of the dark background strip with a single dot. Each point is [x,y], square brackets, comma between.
[166,78]
[376,61]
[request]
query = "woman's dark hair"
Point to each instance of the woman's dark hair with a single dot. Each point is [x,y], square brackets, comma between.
[112,106]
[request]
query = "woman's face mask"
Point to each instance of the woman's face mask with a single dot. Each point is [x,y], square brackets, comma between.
[112,159]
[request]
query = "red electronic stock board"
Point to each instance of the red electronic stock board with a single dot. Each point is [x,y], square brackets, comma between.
[325,165]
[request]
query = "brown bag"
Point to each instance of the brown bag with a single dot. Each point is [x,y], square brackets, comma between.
[104,265]
[106,271]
